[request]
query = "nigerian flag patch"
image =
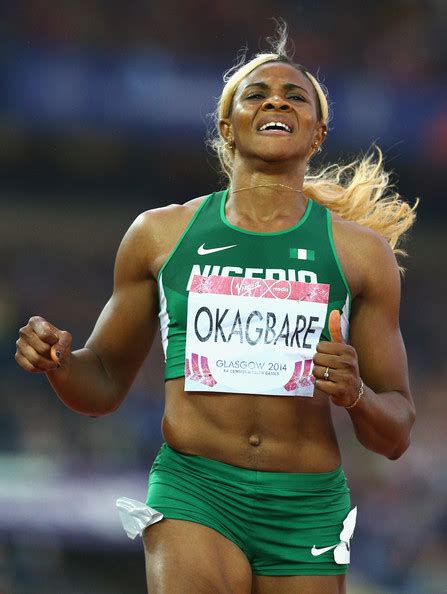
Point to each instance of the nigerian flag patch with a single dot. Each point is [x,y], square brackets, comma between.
[301,254]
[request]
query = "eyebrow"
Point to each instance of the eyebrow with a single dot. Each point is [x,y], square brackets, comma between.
[286,86]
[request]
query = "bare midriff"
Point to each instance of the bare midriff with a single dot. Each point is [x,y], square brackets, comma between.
[270,433]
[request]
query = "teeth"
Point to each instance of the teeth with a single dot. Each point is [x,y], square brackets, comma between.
[275,125]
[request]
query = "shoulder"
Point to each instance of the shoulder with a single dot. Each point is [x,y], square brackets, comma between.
[154,233]
[366,256]
[361,238]
[171,216]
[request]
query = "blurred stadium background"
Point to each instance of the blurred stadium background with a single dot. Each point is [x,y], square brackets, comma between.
[103,113]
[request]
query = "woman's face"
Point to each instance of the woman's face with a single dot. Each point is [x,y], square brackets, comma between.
[274,115]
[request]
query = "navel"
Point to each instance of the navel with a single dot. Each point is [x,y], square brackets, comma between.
[254,440]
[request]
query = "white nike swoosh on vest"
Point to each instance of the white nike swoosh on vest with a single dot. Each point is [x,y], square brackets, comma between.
[202,250]
[315,552]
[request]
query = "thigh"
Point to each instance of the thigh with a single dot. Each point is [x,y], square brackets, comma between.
[299,584]
[189,558]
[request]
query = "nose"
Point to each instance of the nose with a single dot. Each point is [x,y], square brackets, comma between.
[276,103]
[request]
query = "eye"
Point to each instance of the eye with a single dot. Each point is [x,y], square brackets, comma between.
[296,98]
[255,96]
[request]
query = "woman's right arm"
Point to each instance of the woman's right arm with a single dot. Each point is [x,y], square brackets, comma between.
[95,379]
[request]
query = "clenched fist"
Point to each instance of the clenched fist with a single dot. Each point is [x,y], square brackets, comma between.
[42,347]
[336,367]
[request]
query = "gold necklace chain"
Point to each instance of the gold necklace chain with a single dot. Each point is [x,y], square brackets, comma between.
[267,186]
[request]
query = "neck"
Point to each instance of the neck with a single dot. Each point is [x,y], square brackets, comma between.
[267,195]
[270,185]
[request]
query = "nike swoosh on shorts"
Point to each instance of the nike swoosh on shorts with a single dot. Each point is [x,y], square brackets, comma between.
[315,552]
[202,250]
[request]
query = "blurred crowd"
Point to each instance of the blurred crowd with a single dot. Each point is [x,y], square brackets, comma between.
[94,91]
[403,40]
[56,253]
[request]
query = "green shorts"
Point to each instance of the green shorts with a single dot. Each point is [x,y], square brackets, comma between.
[275,518]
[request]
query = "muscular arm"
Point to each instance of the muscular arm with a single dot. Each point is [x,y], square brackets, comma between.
[385,415]
[94,380]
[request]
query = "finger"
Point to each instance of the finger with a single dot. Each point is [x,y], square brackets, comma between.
[28,336]
[44,330]
[62,347]
[331,377]
[329,387]
[26,346]
[331,348]
[326,360]
[25,364]
[335,326]
[318,372]
[37,361]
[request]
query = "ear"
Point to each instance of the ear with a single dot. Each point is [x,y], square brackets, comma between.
[320,134]
[318,139]
[225,129]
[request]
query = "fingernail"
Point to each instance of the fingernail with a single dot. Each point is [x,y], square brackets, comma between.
[58,354]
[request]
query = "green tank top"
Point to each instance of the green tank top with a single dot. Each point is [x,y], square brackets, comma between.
[211,246]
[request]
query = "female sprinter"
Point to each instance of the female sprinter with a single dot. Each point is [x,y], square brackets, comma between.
[277,299]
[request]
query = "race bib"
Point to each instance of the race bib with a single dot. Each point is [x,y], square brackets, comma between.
[252,335]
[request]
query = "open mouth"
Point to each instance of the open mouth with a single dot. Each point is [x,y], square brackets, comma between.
[275,126]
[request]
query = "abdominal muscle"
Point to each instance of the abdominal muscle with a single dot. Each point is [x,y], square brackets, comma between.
[269,433]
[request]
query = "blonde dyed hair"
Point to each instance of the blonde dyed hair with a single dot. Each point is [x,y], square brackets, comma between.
[358,191]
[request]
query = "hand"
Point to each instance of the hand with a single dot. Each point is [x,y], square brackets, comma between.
[42,347]
[340,359]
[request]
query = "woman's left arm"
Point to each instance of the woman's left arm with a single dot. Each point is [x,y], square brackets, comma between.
[384,415]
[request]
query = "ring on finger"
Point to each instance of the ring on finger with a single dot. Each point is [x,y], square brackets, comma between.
[326,374]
